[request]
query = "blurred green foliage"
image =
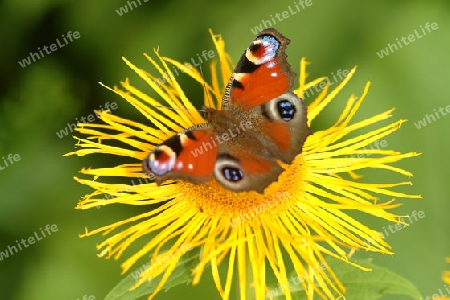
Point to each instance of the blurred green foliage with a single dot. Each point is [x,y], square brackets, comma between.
[39,100]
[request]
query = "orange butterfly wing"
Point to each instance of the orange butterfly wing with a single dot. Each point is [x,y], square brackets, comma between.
[188,155]
[262,73]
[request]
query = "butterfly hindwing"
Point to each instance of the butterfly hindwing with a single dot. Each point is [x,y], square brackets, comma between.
[285,124]
[188,155]
[241,170]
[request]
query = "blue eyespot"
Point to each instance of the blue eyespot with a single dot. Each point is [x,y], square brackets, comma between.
[232,174]
[286,110]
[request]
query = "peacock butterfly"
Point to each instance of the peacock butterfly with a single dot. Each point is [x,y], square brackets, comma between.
[260,122]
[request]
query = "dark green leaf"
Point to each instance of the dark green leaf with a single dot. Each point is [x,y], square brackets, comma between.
[359,285]
[181,274]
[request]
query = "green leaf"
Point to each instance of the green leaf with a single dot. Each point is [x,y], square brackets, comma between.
[181,274]
[359,285]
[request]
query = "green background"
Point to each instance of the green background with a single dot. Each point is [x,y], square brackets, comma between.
[39,100]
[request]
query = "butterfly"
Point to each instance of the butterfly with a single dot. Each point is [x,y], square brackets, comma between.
[261,123]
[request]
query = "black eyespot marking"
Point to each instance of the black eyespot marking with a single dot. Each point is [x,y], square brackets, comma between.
[174,143]
[254,47]
[157,152]
[286,110]
[228,171]
[232,174]
[246,66]
[190,135]
[237,84]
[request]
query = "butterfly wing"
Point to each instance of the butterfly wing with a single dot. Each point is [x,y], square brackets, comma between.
[262,80]
[240,170]
[188,155]
[262,72]
[284,124]
[259,91]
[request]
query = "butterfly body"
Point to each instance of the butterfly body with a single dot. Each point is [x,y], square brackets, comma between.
[260,123]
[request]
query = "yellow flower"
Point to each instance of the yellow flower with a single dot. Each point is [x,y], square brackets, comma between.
[446,274]
[296,222]
[446,279]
